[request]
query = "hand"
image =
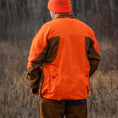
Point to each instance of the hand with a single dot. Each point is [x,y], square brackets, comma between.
[35,91]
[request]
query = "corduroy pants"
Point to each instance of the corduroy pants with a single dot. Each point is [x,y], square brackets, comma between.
[51,109]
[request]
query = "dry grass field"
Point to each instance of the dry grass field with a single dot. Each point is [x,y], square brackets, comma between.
[16,100]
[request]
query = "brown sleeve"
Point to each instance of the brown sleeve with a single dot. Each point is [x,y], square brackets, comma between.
[33,77]
[92,54]
[46,56]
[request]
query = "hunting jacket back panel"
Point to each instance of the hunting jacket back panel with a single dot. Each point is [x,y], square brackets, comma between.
[63,55]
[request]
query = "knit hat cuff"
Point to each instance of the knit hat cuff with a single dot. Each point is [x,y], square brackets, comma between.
[59,9]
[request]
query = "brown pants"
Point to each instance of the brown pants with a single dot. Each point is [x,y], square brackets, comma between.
[51,109]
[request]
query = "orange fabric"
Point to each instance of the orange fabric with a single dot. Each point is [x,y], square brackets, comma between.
[60,6]
[36,94]
[37,42]
[67,77]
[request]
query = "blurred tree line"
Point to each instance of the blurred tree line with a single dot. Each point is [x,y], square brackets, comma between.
[20,19]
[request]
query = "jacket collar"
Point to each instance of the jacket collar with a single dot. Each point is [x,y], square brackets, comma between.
[64,15]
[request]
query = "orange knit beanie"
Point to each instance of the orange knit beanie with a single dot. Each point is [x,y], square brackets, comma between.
[60,6]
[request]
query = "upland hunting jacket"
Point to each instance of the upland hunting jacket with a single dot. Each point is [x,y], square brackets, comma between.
[63,55]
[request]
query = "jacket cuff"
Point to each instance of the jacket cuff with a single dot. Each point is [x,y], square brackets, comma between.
[34,86]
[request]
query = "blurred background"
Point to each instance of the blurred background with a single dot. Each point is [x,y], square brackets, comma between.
[19,22]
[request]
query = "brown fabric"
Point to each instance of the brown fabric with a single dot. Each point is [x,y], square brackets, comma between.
[41,81]
[48,54]
[34,74]
[51,109]
[52,50]
[64,15]
[92,55]
[77,111]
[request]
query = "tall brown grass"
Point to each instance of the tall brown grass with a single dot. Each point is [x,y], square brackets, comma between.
[17,101]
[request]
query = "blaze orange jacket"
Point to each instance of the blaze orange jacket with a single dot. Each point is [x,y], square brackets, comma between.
[63,55]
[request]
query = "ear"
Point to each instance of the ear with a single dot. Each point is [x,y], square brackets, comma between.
[52,14]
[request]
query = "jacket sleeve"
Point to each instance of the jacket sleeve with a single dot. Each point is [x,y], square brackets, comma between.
[37,54]
[93,54]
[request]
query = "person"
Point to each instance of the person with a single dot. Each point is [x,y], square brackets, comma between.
[64,54]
